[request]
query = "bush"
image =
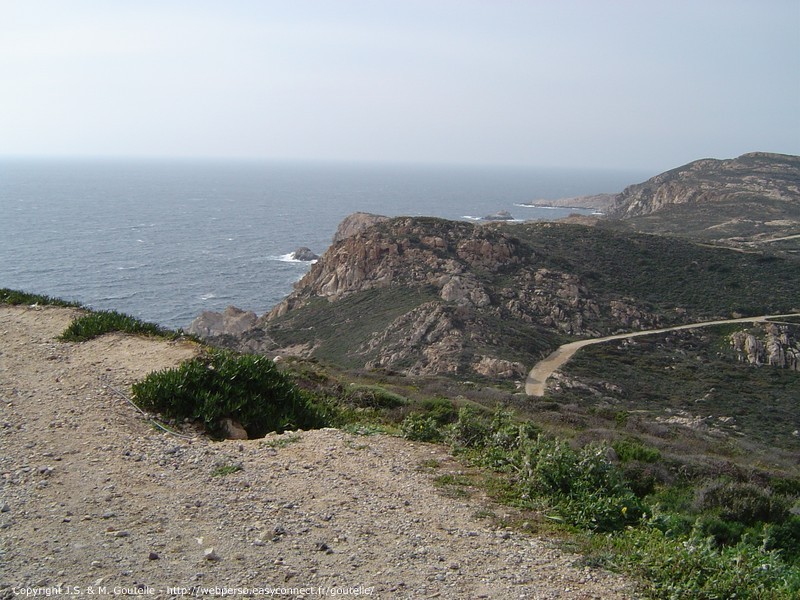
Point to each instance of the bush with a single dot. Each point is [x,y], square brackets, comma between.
[16,297]
[95,324]
[247,388]
[632,449]
[374,396]
[584,486]
[420,428]
[745,503]
[469,431]
[441,410]
[694,567]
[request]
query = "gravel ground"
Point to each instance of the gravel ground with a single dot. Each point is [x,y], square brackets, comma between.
[99,502]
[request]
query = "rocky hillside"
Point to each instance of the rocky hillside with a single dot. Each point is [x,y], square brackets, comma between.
[752,198]
[428,296]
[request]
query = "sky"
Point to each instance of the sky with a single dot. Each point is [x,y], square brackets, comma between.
[639,84]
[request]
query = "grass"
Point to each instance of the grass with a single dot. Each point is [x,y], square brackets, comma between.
[97,323]
[225,470]
[16,298]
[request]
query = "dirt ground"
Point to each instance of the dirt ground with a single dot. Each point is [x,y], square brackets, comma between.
[96,501]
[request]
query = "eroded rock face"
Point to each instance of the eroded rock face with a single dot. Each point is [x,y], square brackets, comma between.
[356,223]
[772,346]
[499,369]
[233,321]
[233,328]
[754,175]
[469,279]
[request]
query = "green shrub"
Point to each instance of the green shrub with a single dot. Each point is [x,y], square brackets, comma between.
[641,477]
[745,503]
[16,297]
[586,488]
[420,428]
[694,567]
[470,429]
[785,537]
[245,387]
[374,396]
[441,410]
[95,324]
[632,449]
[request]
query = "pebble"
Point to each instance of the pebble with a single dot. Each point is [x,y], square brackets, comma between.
[211,555]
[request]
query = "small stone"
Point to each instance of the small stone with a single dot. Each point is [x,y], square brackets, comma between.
[259,543]
[211,555]
[153,556]
[5,508]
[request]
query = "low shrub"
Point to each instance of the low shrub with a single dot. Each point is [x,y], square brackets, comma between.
[246,387]
[470,429]
[695,567]
[632,449]
[745,503]
[373,396]
[420,428]
[441,410]
[95,324]
[16,297]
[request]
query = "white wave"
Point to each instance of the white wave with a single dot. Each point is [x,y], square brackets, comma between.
[208,296]
[471,218]
[289,258]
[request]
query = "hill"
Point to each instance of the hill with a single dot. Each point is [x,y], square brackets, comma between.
[426,296]
[750,200]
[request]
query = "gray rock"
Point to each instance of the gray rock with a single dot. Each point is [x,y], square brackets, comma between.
[304,254]
[232,429]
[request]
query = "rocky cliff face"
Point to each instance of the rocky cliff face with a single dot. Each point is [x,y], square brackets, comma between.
[747,201]
[772,345]
[758,175]
[485,299]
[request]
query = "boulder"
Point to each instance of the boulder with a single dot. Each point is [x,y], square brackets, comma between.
[232,430]
[304,254]
[502,215]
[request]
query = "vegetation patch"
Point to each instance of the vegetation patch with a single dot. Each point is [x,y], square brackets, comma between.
[247,388]
[16,297]
[97,323]
[224,470]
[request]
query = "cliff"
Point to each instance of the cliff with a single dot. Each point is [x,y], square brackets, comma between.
[752,198]
[426,296]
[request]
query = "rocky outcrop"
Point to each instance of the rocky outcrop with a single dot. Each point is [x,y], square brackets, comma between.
[495,368]
[355,223]
[233,328]
[426,296]
[233,321]
[304,254]
[758,175]
[771,345]
[501,215]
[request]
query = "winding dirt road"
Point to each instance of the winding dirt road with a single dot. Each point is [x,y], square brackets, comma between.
[541,372]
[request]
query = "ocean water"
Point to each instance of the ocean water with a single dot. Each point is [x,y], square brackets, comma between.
[165,240]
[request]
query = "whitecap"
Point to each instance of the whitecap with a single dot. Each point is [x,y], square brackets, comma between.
[289,258]
[471,218]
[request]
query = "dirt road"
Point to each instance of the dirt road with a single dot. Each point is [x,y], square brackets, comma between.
[537,378]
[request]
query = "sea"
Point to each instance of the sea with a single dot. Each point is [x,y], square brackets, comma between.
[164,240]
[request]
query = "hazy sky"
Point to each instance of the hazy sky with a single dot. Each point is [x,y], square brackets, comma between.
[640,83]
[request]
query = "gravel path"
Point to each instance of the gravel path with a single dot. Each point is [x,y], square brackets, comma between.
[94,497]
[536,382]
